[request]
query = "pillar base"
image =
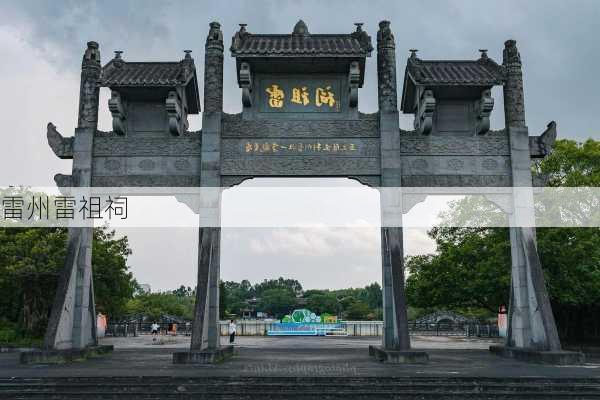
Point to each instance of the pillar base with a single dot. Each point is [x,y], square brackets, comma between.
[206,356]
[398,356]
[63,356]
[540,357]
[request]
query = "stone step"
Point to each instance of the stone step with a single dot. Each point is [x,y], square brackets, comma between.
[91,388]
[294,394]
[332,386]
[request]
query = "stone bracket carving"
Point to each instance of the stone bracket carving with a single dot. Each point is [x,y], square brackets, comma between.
[61,146]
[119,112]
[64,181]
[485,107]
[353,83]
[541,146]
[174,113]
[424,117]
[246,84]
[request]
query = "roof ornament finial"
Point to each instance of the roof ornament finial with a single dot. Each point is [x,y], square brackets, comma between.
[301,29]
[118,54]
[188,54]
[243,27]
[358,26]
[413,53]
[483,53]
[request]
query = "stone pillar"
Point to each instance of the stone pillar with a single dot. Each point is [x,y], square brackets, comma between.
[531,326]
[514,102]
[395,329]
[207,294]
[72,323]
[208,251]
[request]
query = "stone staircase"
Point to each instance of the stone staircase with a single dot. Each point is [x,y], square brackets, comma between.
[298,388]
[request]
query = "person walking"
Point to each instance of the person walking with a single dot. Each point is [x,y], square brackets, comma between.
[154,328]
[232,329]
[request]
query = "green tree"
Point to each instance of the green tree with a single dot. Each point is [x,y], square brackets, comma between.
[278,301]
[280,283]
[321,301]
[358,311]
[30,262]
[472,265]
[155,305]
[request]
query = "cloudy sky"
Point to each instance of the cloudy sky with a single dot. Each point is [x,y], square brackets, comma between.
[41,43]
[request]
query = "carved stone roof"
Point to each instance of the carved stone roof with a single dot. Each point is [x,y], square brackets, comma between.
[482,72]
[122,73]
[119,73]
[301,43]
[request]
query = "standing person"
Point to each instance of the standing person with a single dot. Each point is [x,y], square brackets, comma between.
[154,330]
[232,329]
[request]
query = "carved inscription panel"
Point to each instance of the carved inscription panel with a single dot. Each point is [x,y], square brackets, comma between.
[299,148]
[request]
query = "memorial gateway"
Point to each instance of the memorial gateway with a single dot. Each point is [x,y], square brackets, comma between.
[300,118]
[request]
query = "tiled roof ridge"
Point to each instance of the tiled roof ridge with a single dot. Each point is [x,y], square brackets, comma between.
[119,72]
[301,42]
[481,71]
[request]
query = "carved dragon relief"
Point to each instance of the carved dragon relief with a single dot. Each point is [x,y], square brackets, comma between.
[246,84]
[424,117]
[485,107]
[118,110]
[175,113]
[353,82]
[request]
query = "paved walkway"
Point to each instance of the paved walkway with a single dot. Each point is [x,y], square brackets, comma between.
[299,356]
[295,342]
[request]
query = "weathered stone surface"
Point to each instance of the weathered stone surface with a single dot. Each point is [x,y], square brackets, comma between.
[209,356]
[540,356]
[234,126]
[301,166]
[398,356]
[493,144]
[63,356]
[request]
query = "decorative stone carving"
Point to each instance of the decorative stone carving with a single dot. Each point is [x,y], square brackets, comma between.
[246,84]
[485,107]
[514,103]
[63,181]
[424,117]
[386,68]
[455,164]
[147,164]
[182,164]
[419,164]
[494,143]
[353,83]
[362,37]
[61,146]
[187,145]
[541,146]
[119,114]
[174,113]
[213,70]
[235,126]
[490,164]
[112,164]
[89,91]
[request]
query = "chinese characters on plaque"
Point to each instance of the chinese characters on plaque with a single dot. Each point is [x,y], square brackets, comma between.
[297,96]
[300,147]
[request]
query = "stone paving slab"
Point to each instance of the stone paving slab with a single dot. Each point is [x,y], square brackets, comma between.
[298,357]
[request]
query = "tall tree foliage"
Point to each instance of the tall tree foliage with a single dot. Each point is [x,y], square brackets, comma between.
[472,265]
[30,262]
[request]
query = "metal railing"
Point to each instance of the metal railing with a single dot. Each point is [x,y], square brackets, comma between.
[353,328]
